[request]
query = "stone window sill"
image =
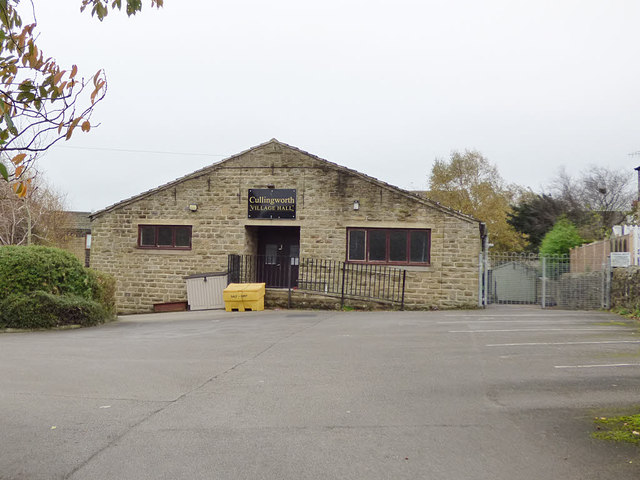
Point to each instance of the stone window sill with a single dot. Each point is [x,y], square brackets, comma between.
[160,251]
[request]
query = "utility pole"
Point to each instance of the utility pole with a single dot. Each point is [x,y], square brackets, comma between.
[637,169]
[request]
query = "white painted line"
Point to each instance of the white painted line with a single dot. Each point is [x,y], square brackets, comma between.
[604,342]
[612,365]
[553,321]
[608,329]
[541,314]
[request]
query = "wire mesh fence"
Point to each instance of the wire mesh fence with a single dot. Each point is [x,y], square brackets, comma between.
[528,279]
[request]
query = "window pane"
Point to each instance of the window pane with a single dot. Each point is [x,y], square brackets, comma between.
[377,245]
[420,247]
[183,237]
[165,236]
[398,246]
[356,245]
[271,254]
[294,253]
[148,236]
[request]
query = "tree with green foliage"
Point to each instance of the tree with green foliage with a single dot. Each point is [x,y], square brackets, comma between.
[560,239]
[41,102]
[468,182]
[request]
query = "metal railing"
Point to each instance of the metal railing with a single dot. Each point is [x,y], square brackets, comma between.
[326,277]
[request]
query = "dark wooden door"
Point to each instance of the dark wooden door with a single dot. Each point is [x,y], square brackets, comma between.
[278,256]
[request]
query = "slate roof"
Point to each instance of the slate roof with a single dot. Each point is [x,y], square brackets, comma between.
[77,220]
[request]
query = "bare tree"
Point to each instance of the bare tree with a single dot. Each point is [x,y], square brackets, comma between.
[39,217]
[599,198]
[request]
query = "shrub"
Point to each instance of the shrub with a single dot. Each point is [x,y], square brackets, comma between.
[43,287]
[103,289]
[46,269]
[44,310]
[561,239]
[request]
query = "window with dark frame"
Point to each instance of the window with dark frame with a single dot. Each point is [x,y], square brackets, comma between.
[164,237]
[389,246]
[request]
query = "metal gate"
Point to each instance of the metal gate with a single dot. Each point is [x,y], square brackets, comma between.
[529,279]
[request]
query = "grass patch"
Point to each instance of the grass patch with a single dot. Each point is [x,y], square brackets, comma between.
[630,313]
[616,324]
[618,429]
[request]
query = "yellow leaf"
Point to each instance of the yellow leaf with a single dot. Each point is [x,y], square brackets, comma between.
[74,70]
[95,93]
[71,127]
[58,77]
[18,159]
[86,126]
[22,190]
[19,171]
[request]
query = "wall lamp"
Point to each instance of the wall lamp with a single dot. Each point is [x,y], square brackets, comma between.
[193,207]
[356,205]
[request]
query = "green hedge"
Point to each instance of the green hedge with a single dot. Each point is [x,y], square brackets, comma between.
[43,287]
[46,269]
[45,310]
[103,289]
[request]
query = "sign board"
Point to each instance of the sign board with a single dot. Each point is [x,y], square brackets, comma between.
[271,203]
[620,259]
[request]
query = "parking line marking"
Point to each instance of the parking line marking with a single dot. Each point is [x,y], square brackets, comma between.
[538,315]
[506,321]
[611,365]
[608,329]
[604,342]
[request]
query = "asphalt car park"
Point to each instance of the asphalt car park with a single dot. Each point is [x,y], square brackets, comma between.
[501,393]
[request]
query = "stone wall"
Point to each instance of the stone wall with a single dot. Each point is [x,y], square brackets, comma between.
[276,298]
[325,196]
[77,244]
[625,288]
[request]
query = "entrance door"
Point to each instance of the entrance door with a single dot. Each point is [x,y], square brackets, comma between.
[278,254]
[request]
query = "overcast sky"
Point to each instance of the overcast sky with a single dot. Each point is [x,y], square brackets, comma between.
[383,87]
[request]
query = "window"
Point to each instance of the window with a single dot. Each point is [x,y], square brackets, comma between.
[177,237]
[357,245]
[389,246]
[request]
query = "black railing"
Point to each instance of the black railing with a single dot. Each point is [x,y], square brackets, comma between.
[326,277]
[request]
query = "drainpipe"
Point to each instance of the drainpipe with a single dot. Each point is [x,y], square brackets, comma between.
[484,287]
